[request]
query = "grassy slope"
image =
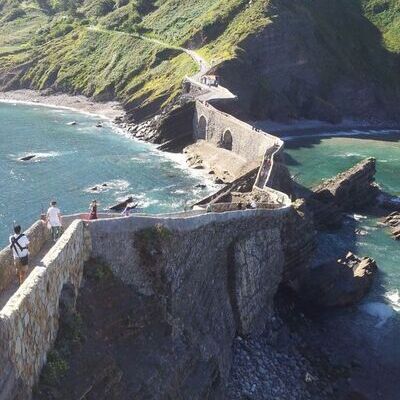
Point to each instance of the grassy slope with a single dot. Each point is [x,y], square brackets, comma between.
[139,73]
[386,16]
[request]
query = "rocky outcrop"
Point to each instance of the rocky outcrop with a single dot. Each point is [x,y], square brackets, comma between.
[339,283]
[351,190]
[171,128]
[393,221]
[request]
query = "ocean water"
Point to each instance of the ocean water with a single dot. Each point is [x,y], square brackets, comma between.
[72,159]
[312,159]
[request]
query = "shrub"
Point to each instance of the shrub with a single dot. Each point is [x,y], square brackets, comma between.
[55,369]
[13,15]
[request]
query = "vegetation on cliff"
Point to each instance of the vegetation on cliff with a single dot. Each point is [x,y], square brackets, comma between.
[105,49]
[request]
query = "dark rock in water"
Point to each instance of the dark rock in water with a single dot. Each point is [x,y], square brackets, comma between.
[351,190]
[104,185]
[389,202]
[122,205]
[200,186]
[94,189]
[27,158]
[339,283]
[72,123]
[393,221]
[218,181]
[99,125]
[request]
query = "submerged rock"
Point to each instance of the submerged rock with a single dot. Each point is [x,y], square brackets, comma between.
[72,123]
[339,283]
[122,205]
[27,158]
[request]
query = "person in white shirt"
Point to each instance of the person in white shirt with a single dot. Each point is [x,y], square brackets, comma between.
[19,245]
[54,220]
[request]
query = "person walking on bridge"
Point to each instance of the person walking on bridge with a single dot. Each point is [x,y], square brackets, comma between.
[54,220]
[93,210]
[19,244]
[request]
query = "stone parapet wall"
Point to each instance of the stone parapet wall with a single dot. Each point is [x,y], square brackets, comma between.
[37,234]
[29,321]
[246,142]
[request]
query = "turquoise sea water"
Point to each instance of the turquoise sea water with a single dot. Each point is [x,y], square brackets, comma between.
[312,160]
[72,159]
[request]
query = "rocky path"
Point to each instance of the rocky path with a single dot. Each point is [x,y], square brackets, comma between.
[204,67]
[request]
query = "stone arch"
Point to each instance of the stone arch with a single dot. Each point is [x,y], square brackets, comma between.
[227,140]
[202,128]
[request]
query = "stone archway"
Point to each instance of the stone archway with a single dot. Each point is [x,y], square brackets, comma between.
[202,128]
[227,140]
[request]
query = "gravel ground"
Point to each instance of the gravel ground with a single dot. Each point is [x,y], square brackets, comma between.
[261,372]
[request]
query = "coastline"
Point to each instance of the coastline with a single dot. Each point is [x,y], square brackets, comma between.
[109,111]
[81,104]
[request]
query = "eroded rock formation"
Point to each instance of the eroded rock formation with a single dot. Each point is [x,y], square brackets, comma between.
[339,283]
[347,191]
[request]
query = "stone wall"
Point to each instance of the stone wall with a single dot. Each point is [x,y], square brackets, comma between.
[38,234]
[29,321]
[214,275]
[211,124]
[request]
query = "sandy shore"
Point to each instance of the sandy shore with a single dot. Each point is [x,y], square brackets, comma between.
[108,110]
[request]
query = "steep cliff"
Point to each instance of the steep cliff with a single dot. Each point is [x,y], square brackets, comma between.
[316,59]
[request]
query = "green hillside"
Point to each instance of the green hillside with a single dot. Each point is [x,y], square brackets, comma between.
[99,47]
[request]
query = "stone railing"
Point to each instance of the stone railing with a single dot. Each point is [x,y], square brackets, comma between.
[38,234]
[29,320]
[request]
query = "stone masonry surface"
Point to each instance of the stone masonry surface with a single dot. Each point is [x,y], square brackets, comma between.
[38,234]
[29,321]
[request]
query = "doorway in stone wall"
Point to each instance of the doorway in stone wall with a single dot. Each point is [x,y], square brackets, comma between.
[202,128]
[227,140]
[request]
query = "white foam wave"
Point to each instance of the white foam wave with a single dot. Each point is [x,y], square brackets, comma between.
[118,185]
[49,154]
[393,298]
[345,155]
[38,156]
[356,217]
[378,310]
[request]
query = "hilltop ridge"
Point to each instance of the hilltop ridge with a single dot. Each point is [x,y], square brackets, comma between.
[319,60]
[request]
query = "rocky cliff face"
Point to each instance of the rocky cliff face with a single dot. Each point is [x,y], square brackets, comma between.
[208,283]
[313,61]
[340,282]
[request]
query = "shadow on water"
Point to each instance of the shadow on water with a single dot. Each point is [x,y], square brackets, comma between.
[301,140]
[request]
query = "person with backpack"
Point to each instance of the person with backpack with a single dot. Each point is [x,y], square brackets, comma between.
[19,244]
[54,222]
